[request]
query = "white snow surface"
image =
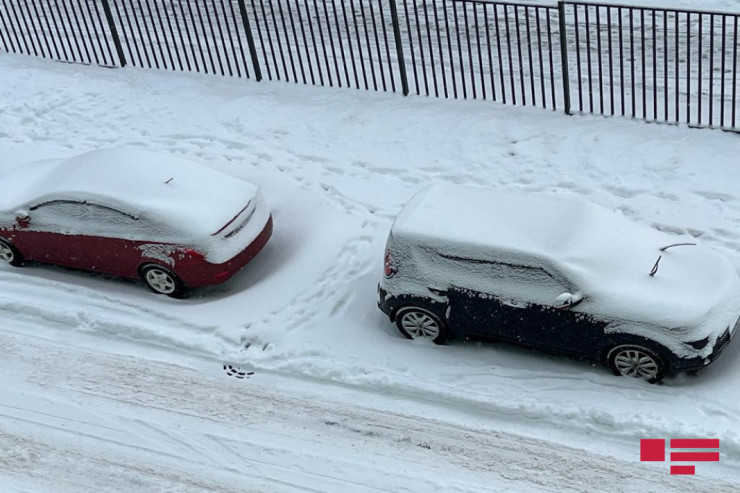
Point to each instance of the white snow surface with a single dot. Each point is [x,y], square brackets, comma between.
[601,254]
[107,387]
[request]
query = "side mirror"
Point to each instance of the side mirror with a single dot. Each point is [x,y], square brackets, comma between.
[568,300]
[22,219]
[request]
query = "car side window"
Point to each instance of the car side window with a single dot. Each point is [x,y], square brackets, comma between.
[113,223]
[105,221]
[82,218]
[531,284]
[59,216]
[505,280]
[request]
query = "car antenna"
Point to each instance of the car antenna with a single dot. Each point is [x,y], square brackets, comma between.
[655,267]
[168,181]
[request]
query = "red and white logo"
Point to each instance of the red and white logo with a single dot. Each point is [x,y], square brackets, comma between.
[654,450]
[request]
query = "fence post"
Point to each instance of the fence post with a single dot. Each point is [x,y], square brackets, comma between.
[399,48]
[564,56]
[250,41]
[114,32]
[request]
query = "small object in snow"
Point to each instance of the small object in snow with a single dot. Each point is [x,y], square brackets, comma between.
[237,372]
[168,181]
[558,274]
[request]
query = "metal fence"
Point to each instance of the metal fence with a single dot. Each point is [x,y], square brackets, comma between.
[62,30]
[652,63]
[657,64]
[477,49]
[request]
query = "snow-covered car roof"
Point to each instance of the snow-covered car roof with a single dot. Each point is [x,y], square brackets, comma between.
[164,188]
[530,224]
[606,255]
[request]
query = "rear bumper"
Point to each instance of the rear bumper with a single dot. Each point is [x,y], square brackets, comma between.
[209,274]
[383,302]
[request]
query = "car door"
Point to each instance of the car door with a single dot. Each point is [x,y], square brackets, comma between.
[486,299]
[53,233]
[517,303]
[564,330]
[548,324]
[481,313]
[111,240]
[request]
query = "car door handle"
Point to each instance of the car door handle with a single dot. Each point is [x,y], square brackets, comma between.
[513,303]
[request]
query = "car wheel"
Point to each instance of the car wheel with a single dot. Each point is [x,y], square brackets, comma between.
[163,281]
[10,254]
[637,362]
[417,323]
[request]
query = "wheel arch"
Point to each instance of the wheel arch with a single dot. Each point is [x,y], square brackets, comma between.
[19,258]
[436,308]
[634,340]
[151,263]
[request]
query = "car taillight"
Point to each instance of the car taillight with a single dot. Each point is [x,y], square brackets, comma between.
[193,253]
[388,265]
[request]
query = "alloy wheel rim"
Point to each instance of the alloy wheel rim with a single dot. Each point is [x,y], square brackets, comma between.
[419,324]
[160,281]
[6,253]
[637,364]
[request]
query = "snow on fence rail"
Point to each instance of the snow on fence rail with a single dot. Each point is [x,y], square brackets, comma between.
[652,63]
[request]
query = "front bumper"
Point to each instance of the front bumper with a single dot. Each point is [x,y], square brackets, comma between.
[681,364]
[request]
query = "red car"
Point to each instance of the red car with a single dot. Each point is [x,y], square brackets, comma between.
[135,214]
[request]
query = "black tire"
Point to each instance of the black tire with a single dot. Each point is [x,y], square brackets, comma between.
[163,281]
[417,323]
[10,254]
[633,360]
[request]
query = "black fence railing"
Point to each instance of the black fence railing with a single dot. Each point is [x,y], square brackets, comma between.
[328,42]
[478,49]
[652,63]
[59,29]
[656,64]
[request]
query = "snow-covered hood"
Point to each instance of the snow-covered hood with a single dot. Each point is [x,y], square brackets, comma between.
[695,291]
[692,286]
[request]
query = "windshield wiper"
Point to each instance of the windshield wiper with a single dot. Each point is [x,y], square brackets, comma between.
[663,249]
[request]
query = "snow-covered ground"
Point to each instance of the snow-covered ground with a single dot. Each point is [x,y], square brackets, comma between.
[108,386]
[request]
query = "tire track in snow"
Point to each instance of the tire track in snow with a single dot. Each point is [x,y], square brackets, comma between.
[40,464]
[81,309]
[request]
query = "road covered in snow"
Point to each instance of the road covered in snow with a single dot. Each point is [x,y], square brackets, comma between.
[87,420]
[106,386]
